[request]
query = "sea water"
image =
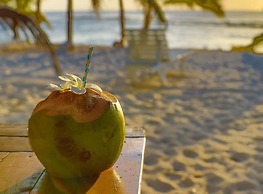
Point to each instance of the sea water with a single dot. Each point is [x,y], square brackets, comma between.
[185,29]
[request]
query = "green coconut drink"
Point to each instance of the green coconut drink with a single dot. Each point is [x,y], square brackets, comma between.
[78,130]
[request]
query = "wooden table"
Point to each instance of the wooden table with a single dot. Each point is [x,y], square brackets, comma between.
[21,171]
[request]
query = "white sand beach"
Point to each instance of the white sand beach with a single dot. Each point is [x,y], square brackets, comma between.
[204,130]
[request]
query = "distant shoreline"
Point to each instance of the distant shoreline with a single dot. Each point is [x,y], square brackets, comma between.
[166,11]
[186,29]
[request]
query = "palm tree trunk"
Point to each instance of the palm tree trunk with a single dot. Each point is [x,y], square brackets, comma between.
[147,16]
[70,25]
[122,23]
[38,15]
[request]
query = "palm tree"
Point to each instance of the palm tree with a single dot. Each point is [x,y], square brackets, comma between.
[26,7]
[10,17]
[96,5]
[70,25]
[155,6]
[122,23]
[38,12]
[150,6]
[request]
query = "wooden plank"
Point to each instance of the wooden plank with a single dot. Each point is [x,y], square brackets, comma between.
[130,165]
[21,131]
[14,144]
[126,174]
[19,172]
[21,144]
[135,132]
[13,138]
[124,178]
[13,130]
[3,155]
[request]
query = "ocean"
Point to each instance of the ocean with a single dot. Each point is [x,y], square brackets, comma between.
[186,29]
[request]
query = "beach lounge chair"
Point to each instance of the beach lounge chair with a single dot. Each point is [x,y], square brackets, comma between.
[147,50]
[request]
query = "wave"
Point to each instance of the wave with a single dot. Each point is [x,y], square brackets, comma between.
[244,24]
[182,18]
[216,23]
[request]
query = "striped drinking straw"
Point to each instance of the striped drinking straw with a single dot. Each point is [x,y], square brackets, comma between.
[87,67]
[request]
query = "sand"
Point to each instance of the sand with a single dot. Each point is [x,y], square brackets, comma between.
[204,130]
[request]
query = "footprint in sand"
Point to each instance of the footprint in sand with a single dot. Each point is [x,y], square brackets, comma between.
[243,185]
[170,152]
[173,176]
[179,166]
[239,157]
[186,182]
[151,159]
[199,167]
[213,178]
[160,186]
[190,153]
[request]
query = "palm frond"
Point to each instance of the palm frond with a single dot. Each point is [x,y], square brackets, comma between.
[25,7]
[96,6]
[14,20]
[43,19]
[141,2]
[257,41]
[212,5]
[209,5]
[189,3]
[158,11]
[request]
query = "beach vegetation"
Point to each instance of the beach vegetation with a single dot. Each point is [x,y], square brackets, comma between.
[96,6]
[149,7]
[18,22]
[31,8]
[156,7]
[213,6]
[70,25]
[122,23]
[254,47]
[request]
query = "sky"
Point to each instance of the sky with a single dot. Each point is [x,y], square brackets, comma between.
[60,5]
